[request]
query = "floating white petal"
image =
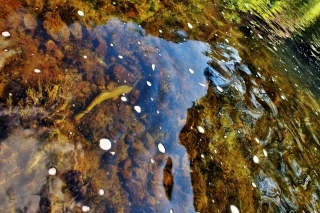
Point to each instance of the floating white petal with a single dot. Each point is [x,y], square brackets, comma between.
[37,70]
[137,108]
[220,89]
[149,83]
[190,70]
[80,13]
[85,208]
[257,140]
[201,129]
[153,67]
[255,159]
[5,34]
[101,192]
[234,209]
[52,171]
[161,148]
[105,144]
[190,26]
[265,152]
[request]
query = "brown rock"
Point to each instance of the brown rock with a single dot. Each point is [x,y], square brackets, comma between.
[55,27]
[76,30]
[30,22]
[134,95]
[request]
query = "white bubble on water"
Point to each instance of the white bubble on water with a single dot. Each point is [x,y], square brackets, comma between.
[120,56]
[190,70]
[149,83]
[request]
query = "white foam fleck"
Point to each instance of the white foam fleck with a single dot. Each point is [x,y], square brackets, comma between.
[37,70]
[123,98]
[255,159]
[112,153]
[80,13]
[111,45]
[201,129]
[5,34]
[220,89]
[160,31]
[190,25]
[254,185]
[85,57]
[105,144]
[101,192]
[120,56]
[234,209]
[161,148]
[201,84]
[226,40]
[260,36]
[52,171]
[283,97]
[190,70]
[85,208]
[149,83]
[153,67]
[158,112]
[202,155]
[137,108]
[152,161]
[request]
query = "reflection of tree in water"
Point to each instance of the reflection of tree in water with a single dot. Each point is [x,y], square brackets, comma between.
[244,154]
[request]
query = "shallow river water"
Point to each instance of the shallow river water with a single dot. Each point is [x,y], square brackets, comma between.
[156,107]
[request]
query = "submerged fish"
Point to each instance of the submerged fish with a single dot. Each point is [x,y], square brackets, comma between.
[104,95]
